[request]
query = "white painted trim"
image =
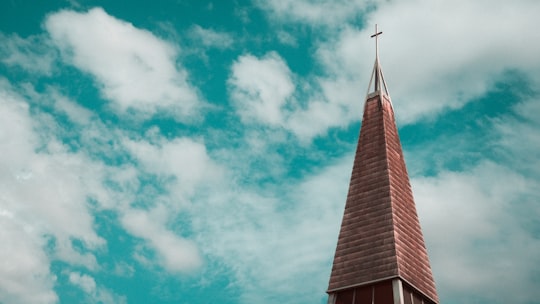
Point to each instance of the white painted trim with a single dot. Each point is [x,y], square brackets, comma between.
[418,290]
[397,289]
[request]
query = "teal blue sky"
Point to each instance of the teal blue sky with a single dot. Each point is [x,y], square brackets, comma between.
[200,151]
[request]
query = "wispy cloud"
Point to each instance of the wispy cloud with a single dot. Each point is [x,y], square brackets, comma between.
[273,240]
[174,253]
[135,69]
[480,220]
[262,88]
[94,293]
[316,13]
[211,38]
[266,92]
[441,62]
[474,229]
[50,193]
[33,54]
[235,199]
[44,196]
[431,65]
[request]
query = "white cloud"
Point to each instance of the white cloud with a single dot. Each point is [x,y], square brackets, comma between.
[124,269]
[135,69]
[264,92]
[58,200]
[459,49]
[57,203]
[106,296]
[481,225]
[327,13]
[182,158]
[95,293]
[261,88]
[33,53]
[520,136]
[24,268]
[85,282]
[175,253]
[473,225]
[271,240]
[479,239]
[186,171]
[75,112]
[287,38]
[211,38]
[275,240]
[436,55]
[44,192]
[318,117]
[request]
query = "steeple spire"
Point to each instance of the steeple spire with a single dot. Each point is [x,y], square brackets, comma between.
[380,255]
[377,74]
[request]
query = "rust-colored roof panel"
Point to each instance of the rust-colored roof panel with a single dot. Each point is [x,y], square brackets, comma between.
[380,235]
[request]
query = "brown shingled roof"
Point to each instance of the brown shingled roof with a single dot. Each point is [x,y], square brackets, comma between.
[380,235]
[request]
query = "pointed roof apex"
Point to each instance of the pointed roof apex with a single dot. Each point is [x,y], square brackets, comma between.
[379,85]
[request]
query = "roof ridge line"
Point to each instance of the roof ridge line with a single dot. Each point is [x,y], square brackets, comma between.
[387,175]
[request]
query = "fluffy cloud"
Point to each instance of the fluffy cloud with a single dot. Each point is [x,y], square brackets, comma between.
[264,92]
[49,193]
[184,159]
[186,170]
[45,190]
[441,61]
[273,237]
[261,88]
[135,69]
[24,271]
[460,63]
[447,66]
[60,190]
[481,224]
[276,240]
[476,234]
[85,282]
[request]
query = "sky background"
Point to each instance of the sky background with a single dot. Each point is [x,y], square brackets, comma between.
[200,151]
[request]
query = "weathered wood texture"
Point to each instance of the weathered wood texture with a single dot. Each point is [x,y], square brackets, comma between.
[380,235]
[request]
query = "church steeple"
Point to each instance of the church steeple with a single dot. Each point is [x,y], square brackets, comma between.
[380,256]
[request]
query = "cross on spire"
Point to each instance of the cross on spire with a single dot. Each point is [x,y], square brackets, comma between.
[376,35]
[377,77]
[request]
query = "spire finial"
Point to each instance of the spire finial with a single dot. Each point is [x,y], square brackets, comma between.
[377,75]
[376,35]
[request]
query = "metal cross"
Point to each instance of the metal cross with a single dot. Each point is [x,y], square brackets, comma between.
[376,35]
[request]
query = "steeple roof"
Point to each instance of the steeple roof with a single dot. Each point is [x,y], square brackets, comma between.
[380,236]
